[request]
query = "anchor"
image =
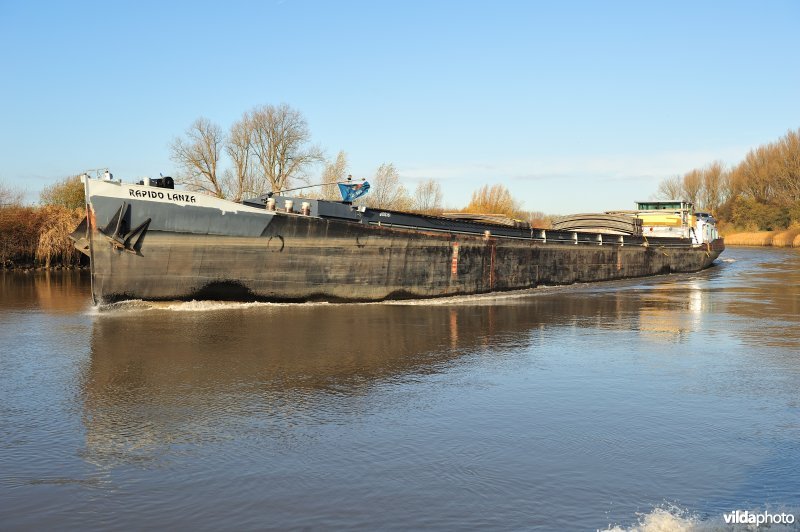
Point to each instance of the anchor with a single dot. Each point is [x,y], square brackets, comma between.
[116,231]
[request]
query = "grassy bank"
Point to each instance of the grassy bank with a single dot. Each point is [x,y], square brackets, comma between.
[785,238]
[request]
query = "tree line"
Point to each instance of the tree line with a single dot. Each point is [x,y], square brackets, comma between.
[269,148]
[762,192]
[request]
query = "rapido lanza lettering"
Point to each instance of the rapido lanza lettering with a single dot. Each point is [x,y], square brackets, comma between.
[157,194]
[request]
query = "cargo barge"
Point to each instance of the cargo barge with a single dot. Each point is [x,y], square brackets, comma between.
[157,243]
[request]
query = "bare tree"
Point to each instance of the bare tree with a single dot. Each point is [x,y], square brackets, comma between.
[692,185]
[495,199]
[670,188]
[428,197]
[386,191]
[334,171]
[9,196]
[763,190]
[752,177]
[198,156]
[280,145]
[239,179]
[539,219]
[713,189]
[787,167]
[707,188]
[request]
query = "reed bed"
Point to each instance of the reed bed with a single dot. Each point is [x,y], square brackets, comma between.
[785,238]
[54,242]
[19,234]
[37,236]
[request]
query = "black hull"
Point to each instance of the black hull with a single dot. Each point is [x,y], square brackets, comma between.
[197,252]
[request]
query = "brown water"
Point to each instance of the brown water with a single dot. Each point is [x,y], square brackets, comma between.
[671,399]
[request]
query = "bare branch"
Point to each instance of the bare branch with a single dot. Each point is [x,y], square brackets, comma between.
[198,156]
[239,180]
[428,197]
[9,196]
[495,199]
[334,171]
[279,138]
[386,191]
[670,188]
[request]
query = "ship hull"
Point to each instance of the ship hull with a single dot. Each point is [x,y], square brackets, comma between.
[205,248]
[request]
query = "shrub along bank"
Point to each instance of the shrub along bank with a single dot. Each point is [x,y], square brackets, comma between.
[38,237]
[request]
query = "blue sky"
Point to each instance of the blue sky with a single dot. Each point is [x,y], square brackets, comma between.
[574,106]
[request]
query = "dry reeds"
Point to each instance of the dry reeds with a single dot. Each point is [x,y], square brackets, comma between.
[31,236]
[54,242]
[19,234]
[754,238]
[787,238]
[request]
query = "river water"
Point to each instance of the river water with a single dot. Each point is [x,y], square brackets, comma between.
[667,401]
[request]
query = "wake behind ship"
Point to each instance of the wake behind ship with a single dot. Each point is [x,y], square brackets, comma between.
[158,243]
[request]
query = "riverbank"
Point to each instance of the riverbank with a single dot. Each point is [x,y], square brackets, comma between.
[35,267]
[785,238]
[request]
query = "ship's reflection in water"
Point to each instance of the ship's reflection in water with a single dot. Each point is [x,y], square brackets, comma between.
[171,374]
[162,374]
[564,408]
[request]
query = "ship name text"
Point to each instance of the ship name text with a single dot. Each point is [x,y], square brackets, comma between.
[157,194]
